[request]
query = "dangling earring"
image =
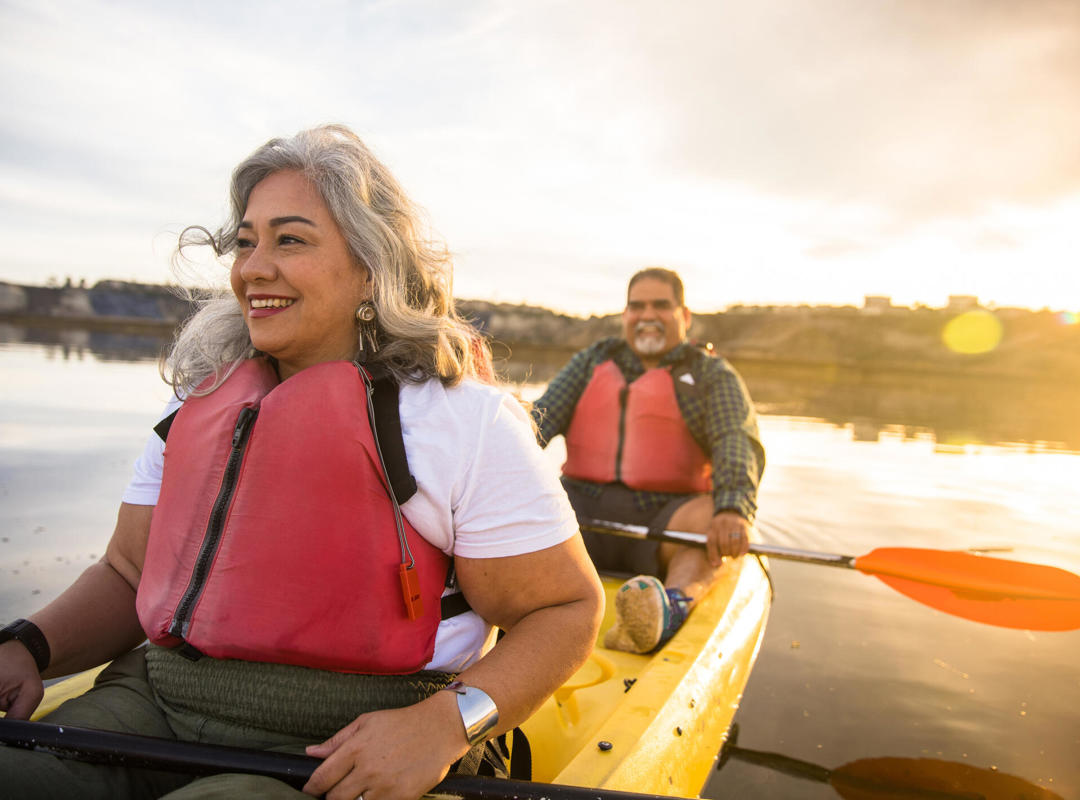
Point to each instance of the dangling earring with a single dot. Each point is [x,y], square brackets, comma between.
[365,318]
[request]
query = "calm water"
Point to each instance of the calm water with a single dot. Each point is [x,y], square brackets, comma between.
[850,671]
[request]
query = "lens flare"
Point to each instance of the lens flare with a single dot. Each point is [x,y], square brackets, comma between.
[972,332]
[1068,318]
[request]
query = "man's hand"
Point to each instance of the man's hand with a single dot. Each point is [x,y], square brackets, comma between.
[728,535]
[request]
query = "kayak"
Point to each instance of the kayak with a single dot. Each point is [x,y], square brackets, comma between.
[655,723]
[650,723]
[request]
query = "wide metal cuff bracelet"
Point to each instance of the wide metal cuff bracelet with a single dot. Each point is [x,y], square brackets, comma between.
[479,713]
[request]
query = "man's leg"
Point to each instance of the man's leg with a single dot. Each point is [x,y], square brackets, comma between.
[684,567]
[649,611]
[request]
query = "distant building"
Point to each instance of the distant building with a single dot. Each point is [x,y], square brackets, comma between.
[962,302]
[876,304]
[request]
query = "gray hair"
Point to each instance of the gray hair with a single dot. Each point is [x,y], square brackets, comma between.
[419,334]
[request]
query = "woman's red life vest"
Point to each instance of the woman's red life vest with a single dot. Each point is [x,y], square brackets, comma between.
[274,537]
[634,433]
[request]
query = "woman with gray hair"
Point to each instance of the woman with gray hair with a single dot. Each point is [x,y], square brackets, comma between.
[345,509]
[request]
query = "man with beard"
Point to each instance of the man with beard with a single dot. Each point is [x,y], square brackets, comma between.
[659,432]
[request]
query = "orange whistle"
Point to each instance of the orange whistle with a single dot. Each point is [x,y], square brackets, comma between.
[410,590]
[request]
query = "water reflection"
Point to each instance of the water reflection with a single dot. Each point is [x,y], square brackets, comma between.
[954,411]
[77,343]
[894,777]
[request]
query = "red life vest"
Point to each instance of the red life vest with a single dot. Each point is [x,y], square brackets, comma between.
[635,434]
[274,537]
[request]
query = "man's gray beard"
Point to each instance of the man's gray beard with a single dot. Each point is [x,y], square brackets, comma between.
[649,345]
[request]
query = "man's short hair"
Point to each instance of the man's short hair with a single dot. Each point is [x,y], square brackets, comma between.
[668,276]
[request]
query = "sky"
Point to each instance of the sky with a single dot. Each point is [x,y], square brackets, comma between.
[774,152]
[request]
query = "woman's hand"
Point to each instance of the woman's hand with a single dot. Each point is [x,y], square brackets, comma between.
[395,754]
[548,602]
[21,688]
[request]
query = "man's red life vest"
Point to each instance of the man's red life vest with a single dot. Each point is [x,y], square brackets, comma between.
[274,537]
[635,434]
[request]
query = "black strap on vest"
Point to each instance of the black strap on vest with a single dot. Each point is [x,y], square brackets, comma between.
[491,759]
[384,396]
[454,604]
[162,428]
[520,756]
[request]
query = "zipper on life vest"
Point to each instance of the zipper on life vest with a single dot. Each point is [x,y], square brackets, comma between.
[624,393]
[215,527]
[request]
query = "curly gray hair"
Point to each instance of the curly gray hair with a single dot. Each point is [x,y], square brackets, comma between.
[420,336]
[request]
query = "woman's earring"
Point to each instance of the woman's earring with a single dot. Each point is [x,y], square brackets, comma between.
[365,318]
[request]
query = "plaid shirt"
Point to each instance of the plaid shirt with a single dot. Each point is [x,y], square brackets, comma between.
[720,417]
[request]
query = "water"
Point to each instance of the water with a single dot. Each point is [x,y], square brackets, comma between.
[850,671]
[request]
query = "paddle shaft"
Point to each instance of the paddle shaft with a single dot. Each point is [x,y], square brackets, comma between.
[1010,594]
[699,539]
[146,752]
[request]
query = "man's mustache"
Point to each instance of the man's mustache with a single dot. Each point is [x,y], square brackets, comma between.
[643,327]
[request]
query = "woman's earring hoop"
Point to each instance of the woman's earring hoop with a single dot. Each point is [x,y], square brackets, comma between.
[365,319]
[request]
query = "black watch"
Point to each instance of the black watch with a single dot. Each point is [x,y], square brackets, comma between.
[31,637]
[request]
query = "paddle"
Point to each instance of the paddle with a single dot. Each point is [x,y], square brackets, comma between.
[924,778]
[147,752]
[1010,594]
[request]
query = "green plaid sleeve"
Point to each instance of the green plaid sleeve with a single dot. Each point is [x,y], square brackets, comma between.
[554,409]
[723,419]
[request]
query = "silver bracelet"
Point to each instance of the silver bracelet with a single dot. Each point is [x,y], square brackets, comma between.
[479,714]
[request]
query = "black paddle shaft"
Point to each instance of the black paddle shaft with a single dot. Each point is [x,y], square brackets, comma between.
[147,752]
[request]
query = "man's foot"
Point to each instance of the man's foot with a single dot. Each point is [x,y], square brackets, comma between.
[646,615]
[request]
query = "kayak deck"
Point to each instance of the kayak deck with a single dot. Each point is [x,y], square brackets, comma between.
[655,723]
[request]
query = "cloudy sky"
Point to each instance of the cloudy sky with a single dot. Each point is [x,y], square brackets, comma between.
[780,151]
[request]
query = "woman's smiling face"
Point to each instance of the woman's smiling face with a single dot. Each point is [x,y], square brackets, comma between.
[295,277]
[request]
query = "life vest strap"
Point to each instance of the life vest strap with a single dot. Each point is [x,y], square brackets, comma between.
[454,604]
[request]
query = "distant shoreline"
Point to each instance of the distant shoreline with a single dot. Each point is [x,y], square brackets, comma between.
[1035,346]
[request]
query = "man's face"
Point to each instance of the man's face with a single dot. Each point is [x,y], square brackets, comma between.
[653,323]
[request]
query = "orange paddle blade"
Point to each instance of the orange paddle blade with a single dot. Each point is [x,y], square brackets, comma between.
[875,778]
[1011,594]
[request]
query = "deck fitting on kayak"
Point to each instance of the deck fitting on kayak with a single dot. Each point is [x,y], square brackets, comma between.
[605,746]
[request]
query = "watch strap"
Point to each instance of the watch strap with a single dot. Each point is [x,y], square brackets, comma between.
[479,714]
[30,636]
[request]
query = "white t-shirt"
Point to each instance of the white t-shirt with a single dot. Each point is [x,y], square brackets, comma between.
[484,489]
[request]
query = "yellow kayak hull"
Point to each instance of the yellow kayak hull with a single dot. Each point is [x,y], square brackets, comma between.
[645,723]
[655,723]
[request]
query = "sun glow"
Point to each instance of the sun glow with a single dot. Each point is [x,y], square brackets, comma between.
[972,332]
